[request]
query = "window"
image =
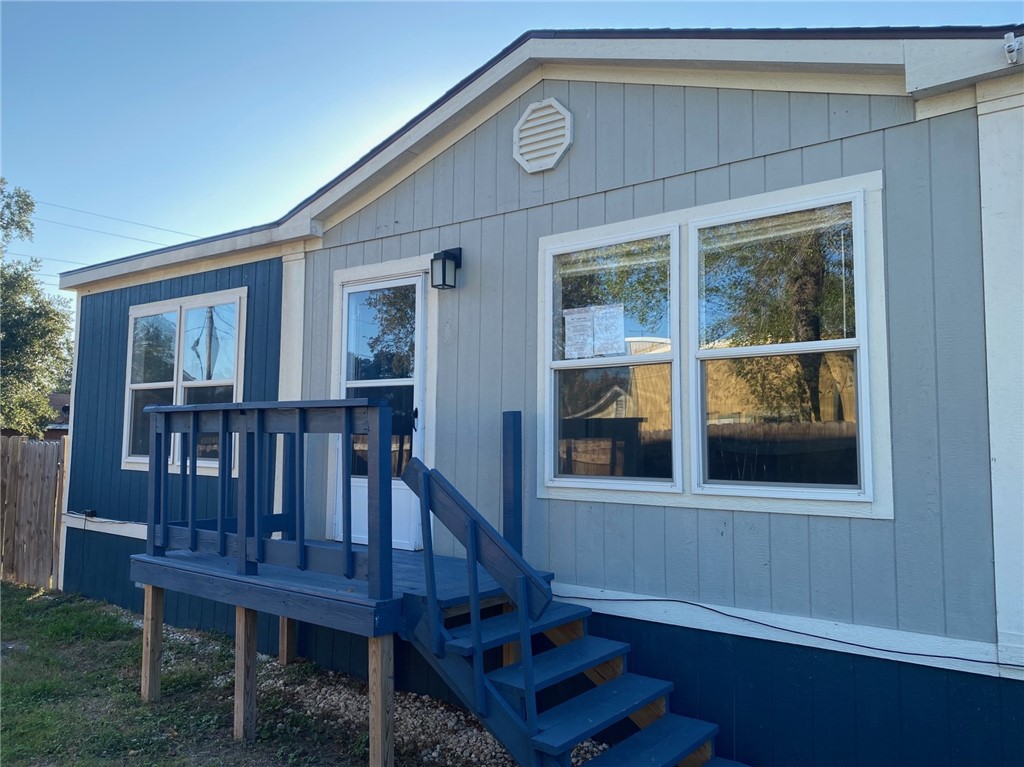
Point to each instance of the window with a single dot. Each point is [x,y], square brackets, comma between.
[728,356]
[181,352]
[612,360]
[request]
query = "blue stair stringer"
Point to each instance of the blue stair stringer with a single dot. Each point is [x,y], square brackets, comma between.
[504,698]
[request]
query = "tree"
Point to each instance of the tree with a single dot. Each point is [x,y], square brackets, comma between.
[35,333]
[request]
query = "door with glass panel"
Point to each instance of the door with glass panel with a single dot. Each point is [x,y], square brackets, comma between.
[382,358]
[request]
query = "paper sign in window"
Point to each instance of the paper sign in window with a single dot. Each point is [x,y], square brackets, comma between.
[594,331]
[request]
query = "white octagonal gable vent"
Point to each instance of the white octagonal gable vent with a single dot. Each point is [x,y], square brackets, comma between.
[542,135]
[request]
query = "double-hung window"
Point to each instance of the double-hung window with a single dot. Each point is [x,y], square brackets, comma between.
[187,351]
[729,356]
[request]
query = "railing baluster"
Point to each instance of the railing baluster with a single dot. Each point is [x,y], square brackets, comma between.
[165,511]
[223,481]
[193,454]
[526,654]
[346,492]
[154,509]
[260,484]
[472,551]
[428,567]
[245,495]
[299,480]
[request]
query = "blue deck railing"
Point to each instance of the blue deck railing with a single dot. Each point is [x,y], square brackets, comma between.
[240,442]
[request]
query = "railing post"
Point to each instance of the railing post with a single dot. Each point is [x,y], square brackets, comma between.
[299,487]
[193,475]
[512,478]
[379,503]
[155,509]
[245,496]
[346,491]
[428,567]
[223,481]
[472,554]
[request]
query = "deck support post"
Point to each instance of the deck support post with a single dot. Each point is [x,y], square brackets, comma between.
[245,673]
[152,642]
[287,639]
[382,700]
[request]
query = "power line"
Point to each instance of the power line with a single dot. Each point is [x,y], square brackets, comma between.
[114,218]
[48,258]
[99,231]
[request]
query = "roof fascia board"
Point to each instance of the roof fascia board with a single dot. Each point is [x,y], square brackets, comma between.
[941,66]
[165,265]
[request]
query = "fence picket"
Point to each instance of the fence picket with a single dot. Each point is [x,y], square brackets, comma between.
[31,501]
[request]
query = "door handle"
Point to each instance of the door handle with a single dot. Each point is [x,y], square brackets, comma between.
[415,418]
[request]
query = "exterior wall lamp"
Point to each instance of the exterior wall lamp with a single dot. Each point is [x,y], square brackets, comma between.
[443,267]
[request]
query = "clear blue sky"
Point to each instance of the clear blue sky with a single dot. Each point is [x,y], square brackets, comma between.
[206,117]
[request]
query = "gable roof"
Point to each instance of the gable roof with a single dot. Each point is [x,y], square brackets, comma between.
[928,60]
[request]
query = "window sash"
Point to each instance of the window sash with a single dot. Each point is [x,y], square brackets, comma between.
[237,298]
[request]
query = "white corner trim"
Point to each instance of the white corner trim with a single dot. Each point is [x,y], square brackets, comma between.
[293,305]
[1001,159]
[77,521]
[889,644]
[71,436]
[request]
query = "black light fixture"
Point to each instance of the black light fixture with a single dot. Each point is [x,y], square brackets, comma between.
[443,267]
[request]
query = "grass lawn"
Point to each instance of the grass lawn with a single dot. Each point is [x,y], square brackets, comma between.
[69,695]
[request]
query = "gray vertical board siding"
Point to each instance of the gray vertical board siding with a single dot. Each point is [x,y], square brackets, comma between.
[531,185]
[405,205]
[611,141]
[485,170]
[590,544]
[507,169]
[915,450]
[97,481]
[649,198]
[515,291]
[649,549]
[791,578]
[682,555]
[889,111]
[444,187]
[746,177]
[753,561]
[463,178]
[368,221]
[556,180]
[488,475]
[831,569]
[669,130]
[638,132]
[863,154]
[618,547]
[386,218]
[771,122]
[808,119]
[962,380]
[715,556]
[732,144]
[848,115]
[582,155]
[873,572]
[700,134]
[735,125]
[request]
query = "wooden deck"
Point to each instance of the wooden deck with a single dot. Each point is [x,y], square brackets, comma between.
[326,599]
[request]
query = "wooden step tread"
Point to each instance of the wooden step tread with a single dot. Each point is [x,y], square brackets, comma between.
[662,744]
[504,628]
[567,724]
[560,663]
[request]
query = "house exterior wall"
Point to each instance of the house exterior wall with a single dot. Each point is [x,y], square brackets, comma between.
[97,482]
[640,150]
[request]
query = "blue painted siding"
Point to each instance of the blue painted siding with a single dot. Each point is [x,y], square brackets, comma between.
[97,482]
[780,705]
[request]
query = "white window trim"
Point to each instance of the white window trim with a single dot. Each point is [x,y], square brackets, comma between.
[548,366]
[874,499]
[239,297]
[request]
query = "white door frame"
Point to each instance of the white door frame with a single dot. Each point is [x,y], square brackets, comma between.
[426,378]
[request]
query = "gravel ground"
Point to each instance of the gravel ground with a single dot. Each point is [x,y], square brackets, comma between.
[441,735]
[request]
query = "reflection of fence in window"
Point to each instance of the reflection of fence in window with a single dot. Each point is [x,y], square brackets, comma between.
[762,427]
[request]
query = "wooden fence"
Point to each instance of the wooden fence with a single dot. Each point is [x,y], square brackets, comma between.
[31,497]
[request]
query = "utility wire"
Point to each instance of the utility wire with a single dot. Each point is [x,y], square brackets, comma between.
[47,258]
[114,218]
[99,231]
